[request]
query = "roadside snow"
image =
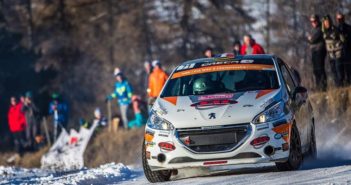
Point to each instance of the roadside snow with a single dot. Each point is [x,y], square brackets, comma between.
[105,174]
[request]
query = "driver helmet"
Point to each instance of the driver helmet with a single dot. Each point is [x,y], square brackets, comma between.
[202,86]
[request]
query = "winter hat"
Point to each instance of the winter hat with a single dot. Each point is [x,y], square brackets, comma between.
[55,95]
[314,17]
[117,72]
[156,63]
[29,94]
[97,111]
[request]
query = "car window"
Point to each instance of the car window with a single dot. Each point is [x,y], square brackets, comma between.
[222,81]
[287,77]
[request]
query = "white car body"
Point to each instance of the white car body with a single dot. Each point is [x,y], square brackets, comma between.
[210,125]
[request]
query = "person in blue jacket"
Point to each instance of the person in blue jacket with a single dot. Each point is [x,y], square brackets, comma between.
[123,93]
[59,110]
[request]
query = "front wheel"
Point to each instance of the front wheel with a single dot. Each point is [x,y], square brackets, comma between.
[154,176]
[295,155]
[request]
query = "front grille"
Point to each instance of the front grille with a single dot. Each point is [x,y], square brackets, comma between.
[214,139]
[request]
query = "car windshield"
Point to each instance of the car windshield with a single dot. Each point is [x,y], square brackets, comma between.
[221,79]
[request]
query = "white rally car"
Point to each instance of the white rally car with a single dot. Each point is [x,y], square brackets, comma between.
[225,111]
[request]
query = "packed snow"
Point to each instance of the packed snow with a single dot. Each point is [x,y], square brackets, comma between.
[320,172]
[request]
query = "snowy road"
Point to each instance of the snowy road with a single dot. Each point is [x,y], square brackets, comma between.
[320,172]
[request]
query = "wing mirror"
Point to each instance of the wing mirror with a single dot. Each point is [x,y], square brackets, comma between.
[299,90]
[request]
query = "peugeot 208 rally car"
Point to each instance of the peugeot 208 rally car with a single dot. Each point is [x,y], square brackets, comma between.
[226,111]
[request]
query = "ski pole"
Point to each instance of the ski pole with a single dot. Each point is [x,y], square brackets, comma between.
[109,115]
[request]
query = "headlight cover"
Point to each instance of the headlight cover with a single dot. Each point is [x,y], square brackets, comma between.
[272,114]
[155,122]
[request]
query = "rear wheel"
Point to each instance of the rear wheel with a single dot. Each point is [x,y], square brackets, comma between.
[295,155]
[154,176]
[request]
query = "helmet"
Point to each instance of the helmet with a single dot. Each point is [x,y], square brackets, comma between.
[202,86]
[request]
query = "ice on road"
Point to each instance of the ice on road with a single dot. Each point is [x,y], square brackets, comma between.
[319,172]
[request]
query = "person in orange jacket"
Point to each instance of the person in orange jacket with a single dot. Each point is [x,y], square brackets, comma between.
[157,79]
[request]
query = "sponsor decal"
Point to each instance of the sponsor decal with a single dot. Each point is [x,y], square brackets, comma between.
[284,131]
[285,146]
[187,66]
[148,155]
[150,144]
[180,110]
[248,105]
[149,135]
[217,68]
[278,136]
[246,61]
[215,97]
[172,100]
[212,115]
[153,157]
[211,127]
[166,146]
[220,62]
[263,92]
[215,162]
[260,141]
[163,135]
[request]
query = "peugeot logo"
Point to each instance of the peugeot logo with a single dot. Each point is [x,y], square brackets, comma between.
[212,116]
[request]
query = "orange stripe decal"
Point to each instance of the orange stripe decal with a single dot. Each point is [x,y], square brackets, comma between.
[228,67]
[263,92]
[284,130]
[172,99]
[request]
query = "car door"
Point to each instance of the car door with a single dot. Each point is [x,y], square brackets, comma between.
[297,104]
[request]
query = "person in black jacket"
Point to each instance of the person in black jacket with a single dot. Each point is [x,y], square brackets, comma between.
[334,42]
[318,53]
[345,31]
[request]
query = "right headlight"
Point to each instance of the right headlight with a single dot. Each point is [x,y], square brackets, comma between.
[158,123]
[274,113]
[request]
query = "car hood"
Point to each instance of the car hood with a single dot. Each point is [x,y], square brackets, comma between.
[185,111]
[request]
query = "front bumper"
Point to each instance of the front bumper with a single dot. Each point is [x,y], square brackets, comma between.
[244,153]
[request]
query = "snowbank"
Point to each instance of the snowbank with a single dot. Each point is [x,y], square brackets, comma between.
[105,174]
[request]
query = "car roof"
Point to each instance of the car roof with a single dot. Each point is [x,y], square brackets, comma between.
[239,57]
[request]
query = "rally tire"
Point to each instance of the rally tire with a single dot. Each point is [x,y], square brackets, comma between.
[154,176]
[295,156]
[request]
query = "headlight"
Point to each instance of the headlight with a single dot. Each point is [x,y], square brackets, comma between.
[158,123]
[272,114]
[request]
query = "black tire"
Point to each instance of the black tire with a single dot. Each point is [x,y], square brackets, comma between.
[295,157]
[154,176]
[312,152]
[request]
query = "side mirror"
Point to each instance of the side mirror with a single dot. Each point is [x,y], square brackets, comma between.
[299,90]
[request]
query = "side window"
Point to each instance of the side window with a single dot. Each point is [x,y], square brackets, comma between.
[289,82]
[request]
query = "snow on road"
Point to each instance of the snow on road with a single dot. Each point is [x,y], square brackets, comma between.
[319,172]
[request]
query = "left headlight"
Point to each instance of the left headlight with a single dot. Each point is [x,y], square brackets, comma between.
[158,123]
[272,114]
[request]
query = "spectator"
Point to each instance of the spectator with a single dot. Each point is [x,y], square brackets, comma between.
[139,119]
[157,79]
[318,53]
[236,48]
[345,31]
[17,125]
[148,70]
[123,93]
[250,46]
[334,45]
[31,114]
[208,52]
[59,109]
